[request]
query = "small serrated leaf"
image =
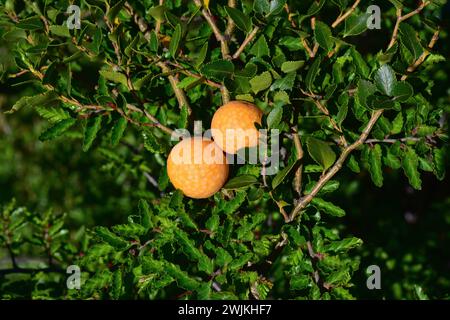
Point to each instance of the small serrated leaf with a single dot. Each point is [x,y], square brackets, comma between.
[290,66]
[375,168]
[321,152]
[117,130]
[410,164]
[93,125]
[261,82]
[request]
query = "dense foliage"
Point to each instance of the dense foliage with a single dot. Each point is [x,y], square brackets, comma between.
[362,120]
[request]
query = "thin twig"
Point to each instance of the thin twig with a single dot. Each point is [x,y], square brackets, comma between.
[179,93]
[401,18]
[299,151]
[230,23]
[336,166]
[344,16]
[246,41]
[219,36]
[388,140]
[423,56]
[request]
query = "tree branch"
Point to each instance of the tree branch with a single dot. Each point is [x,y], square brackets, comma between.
[179,93]
[337,165]
[219,36]
[299,151]
[344,16]
[246,41]
[423,56]
[401,18]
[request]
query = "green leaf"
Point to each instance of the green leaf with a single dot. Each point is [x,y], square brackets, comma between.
[261,82]
[410,164]
[223,257]
[145,214]
[312,73]
[360,63]
[114,10]
[33,23]
[114,76]
[408,37]
[275,7]
[116,289]
[150,142]
[158,12]
[327,207]
[91,129]
[212,224]
[43,99]
[385,80]
[365,89]
[52,114]
[175,41]
[375,167]
[112,239]
[282,174]
[202,55]
[281,96]
[353,164]
[299,282]
[323,36]
[153,41]
[439,163]
[61,31]
[241,182]
[285,83]
[402,91]
[183,279]
[219,69]
[261,7]
[420,294]
[260,48]
[183,119]
[117,130]
[321,152]
[190,250]
[392,161]
[57,129]
[290,66]
[274,117]
[356,24]
[343,245]
[241,20]
[397,124]
[330,186]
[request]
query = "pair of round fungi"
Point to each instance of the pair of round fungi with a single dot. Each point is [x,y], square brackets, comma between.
[197,166]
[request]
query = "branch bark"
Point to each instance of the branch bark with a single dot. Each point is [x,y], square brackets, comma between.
[337,166]
[246,41]
[401,18]
[344,16]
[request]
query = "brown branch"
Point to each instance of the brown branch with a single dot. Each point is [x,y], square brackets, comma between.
[423,56]
[401,18]
[181,97]
[326,112]
[246,41]
[388,140]
[230,24]
[288,11]
[299,151]
[336,166]
[344,16]
[219,36]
